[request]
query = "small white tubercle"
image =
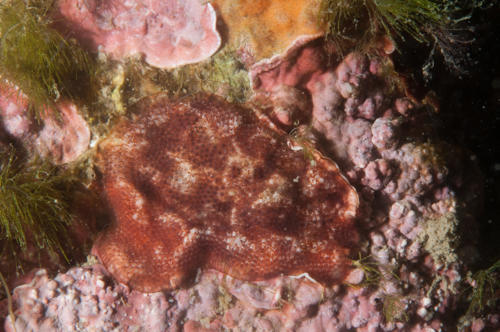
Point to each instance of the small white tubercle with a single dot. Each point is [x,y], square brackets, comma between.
[305,275]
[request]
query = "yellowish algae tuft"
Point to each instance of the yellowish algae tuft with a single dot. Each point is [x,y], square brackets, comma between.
[36,58]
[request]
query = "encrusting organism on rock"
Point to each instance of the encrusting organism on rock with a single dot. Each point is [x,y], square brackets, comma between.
[268,28]
[201,183]
[168,33]
[62,137]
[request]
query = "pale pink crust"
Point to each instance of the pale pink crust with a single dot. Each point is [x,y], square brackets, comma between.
[66,138]
[62,136]
[200,183]
[169,33]
[13,111]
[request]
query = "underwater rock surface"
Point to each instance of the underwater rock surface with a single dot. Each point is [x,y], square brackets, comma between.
[409,274]
[416,225]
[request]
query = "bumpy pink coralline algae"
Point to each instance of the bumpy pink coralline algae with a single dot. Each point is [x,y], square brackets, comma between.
[408,188]
[169,33]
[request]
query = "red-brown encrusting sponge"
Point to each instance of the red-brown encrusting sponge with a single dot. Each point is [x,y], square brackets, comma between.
[200,183]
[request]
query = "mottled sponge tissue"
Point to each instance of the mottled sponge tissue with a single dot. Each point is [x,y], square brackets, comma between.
[200,183]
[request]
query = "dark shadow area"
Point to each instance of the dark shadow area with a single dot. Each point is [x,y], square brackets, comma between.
[469,110]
